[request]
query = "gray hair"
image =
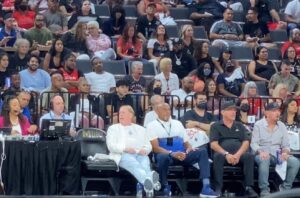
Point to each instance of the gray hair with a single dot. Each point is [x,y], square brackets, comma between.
[154,98]
[135,64]
[248,85]
[93,24]
[21,41]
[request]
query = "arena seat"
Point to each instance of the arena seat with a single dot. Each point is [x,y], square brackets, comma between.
[84,65]
[115,67]
[102,11]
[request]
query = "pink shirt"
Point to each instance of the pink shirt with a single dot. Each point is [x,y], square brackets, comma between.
[98,44]
[24,126]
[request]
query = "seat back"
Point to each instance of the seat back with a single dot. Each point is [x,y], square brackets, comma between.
[242,53]
[84,65]
[261,88]
[130,11]
[172,31]
[274,54]
[200,33]
[214,51]
[180,13]
[102,11]
[116,67]
[279,36]
[92,141]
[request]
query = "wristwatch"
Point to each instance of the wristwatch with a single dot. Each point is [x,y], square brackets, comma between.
[225,153]
[170,153]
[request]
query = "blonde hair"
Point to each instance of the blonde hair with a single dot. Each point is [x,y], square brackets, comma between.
[164,63]
[184,29]
[129,108]
[21,41]
[277,89]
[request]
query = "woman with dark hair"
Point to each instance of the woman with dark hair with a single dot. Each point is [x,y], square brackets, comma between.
[224,57]
[84,14]
[202,56]
[129,47]
[159,46]
[114,26]
[290,54]
[200,75]
[75,39]
[53,59]
[289,115]
[23,15]
[261,68]
[212,96]
[154,87]
[13,118]
[243,114]
[4,73]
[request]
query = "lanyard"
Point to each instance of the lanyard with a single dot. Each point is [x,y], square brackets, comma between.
[168,132]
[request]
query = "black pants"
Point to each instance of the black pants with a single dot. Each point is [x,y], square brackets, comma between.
[246,161]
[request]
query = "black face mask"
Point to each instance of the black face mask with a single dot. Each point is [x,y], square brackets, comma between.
[245,107]
[230,69]
[202,105]
[157,90]
[23,7]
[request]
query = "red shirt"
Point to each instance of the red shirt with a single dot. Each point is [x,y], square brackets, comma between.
[74,76]
[287,44]
[124,49]
[26,20]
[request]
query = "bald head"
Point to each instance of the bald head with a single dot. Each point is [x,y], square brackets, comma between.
[187,84]
[156,100]
[163,111]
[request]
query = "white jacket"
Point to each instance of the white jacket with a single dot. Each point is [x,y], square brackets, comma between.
[116,140]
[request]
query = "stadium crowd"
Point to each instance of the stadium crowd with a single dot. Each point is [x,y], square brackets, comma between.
[209,81]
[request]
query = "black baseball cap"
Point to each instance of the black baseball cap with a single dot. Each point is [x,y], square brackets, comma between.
[122,83]
[228,105]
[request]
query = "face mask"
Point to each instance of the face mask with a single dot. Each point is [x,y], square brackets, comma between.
[206,72]
[245,107]
[23,7]
[202,105]
[157,90]
[230,69]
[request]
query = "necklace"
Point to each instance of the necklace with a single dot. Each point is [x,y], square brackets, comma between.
[178,60]
[14,123]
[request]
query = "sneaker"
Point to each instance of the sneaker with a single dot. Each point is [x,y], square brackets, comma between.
[207,192]
[167,191]
[155,180]
[264,193]
[148,187]
[139,190]
[249,192]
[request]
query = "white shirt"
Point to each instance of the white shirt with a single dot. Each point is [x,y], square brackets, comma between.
[182,95]
[293,9]
[149,117]
[17,128]
[168,85]
[172,128]
[101,82]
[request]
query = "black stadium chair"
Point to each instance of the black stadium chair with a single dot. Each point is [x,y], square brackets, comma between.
[242,53]
[279,36]
[130,11]
[84,66]
[93,141]
[102,11]
[274,55]
[181,15]
[200,33]
[172,31]
[115,67]
[214,51]
[239,17]
[262,88]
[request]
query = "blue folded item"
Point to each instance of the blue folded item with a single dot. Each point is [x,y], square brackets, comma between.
[173,144]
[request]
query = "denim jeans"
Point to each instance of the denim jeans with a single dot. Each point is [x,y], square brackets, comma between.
[199,156]
[263,171]
[137,165]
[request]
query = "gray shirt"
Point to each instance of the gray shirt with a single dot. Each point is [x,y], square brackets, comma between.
[222,27]
[263,139]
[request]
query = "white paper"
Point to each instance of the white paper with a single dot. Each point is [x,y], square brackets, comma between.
[196,137]
[281,169]
[294,140]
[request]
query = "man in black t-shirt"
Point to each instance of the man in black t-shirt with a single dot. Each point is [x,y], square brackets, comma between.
[146,25]
[182,62]
[199,117]
[256,32]
[116,100]
[230,143]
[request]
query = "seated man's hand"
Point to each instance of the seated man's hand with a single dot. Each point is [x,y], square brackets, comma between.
[179,155]
[264,155]
[72,132]
[142,152]
[230,159]
[130,150]
[284,156]
[236,158]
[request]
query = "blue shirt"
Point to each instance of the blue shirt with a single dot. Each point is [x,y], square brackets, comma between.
[52,116]
[36,81]
[12,33]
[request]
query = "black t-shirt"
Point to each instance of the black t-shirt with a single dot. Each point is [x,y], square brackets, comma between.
[295,68]
[192,115]
[182,64]
[16,63]
[213,7]
[117,102]
[136,86]
[146,27]
[264,7]
[189,49]
[230,139]
[259,29]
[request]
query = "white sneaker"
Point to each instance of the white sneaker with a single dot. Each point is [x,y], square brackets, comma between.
[155,180]
[148,187]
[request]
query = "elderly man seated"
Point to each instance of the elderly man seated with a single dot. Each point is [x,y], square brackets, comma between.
[129,148]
